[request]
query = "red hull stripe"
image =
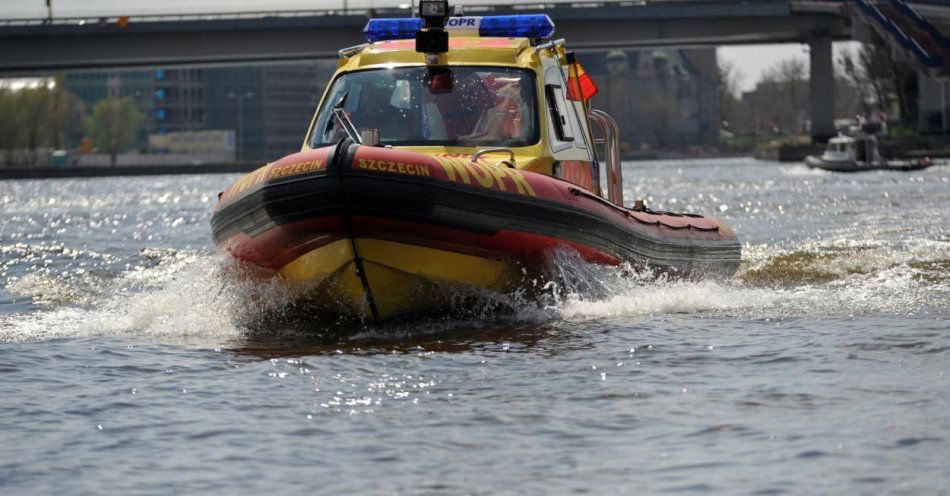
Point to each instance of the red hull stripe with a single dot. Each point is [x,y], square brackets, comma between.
[447,203]
[278,246]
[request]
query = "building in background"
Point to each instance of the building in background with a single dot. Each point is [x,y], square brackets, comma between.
[291,95]
[179,103]
[661,98]
[268,107]
[94,86]
[234,100]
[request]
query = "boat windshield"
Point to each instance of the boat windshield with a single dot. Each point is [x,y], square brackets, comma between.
[441,106]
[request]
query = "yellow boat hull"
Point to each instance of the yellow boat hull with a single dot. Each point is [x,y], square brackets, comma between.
[373,278]
[376,232]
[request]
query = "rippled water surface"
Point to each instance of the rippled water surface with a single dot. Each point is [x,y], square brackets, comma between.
[128,364]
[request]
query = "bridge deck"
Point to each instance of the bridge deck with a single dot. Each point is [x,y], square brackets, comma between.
[36,45]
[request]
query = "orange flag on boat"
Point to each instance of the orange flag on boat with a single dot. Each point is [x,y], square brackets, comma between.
[580,86]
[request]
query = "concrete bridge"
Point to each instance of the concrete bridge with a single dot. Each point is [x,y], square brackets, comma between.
[32,46]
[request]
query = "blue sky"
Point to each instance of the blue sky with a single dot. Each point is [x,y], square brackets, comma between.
[750,60]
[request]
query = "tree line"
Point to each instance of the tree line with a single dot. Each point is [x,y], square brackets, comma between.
[37,119]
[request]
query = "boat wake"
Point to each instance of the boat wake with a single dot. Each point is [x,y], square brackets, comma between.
[199,298]
[178,298]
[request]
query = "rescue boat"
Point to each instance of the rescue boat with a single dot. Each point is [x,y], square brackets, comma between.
[453,152]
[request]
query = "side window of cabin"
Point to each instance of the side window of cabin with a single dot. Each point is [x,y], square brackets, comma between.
[558,109]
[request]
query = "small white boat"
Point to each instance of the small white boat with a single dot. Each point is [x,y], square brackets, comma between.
[855,154]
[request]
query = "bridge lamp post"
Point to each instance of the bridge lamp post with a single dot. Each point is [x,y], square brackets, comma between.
[240,101]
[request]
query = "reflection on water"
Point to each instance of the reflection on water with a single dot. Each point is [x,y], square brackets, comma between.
[440,338]
[141,361]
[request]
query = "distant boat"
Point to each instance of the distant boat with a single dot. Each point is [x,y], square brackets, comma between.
[856,154]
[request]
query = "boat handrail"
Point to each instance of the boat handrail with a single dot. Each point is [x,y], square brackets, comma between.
[612,145]
[549,45]
[478,154]
[351,51]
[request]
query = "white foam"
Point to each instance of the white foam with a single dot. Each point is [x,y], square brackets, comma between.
[668,298]
[189,306]
[184,297]
[197,297]
[798,170]
[41,326]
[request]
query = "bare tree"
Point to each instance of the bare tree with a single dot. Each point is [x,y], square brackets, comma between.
[728,92]
[881,81]
[790,80]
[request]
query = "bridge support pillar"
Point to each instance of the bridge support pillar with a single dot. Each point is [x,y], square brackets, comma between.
[932,100]
[822,85]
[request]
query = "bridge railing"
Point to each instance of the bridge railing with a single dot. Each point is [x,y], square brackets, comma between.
[362,10]
[910,44]
[908,11]
[104,20]
[349,11]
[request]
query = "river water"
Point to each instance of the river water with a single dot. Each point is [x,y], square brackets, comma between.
[127,364]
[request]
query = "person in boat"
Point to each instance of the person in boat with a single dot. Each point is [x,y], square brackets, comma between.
[421,106]
[467,110]
[483,108]
[502,119]
[386,106]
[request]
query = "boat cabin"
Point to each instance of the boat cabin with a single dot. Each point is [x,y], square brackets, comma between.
[862,149]
[500,90]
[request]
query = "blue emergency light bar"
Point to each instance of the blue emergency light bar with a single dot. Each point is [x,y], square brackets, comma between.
[511,26]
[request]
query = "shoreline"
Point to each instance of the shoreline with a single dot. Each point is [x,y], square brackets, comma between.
[47,172]
[122,170]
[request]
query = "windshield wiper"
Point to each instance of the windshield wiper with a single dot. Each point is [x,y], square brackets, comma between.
[344,120]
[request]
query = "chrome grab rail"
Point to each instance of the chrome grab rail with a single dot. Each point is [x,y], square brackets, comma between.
[351,51]
[549,45]
[478,154]
[611,142]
